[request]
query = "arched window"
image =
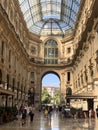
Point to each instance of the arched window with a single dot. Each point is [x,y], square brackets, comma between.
[51,52]
[2,51]
[8,79]
[13,83]
[0,76]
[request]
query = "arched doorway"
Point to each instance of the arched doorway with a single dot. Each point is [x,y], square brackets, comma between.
[50,93]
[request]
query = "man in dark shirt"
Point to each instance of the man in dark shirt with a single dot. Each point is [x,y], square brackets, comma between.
[24,112]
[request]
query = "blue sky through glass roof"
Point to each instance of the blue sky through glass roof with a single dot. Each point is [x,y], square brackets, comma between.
[51,16]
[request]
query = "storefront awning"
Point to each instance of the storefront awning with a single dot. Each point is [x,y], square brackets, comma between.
[82,96]
[6,92]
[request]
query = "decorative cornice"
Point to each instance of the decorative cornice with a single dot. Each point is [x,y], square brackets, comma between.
[81,53]
[67,38]
[34,37]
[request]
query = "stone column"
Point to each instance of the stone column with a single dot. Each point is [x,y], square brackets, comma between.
[96,81]
[63,88]
[89,83]
[96,67]
[0,48]
[63,83]
[95,93]
[84,80]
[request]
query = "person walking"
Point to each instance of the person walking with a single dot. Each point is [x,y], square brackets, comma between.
[97,111]
[24,116]
[46,112]
[91,113]
[31,113]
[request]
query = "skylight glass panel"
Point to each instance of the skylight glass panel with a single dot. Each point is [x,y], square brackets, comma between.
[33,2]
[67,27]
[68,3]
[38,14]
[35,29]
[29,23]
[20,1]
[62,25]
[71,24]
[67,13]
[27,15]
[24,6]
[43,7]
[28,19]
[51,16]
[75,7]
[42,1]
[73,17]
[40,24]
[48,7]
[37,18]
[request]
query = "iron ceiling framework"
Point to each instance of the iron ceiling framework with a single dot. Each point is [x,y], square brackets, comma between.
[50,17]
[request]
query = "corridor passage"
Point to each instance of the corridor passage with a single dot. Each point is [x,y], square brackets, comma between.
[56,122]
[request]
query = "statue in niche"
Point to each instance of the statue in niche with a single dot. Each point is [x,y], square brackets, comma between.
[68,93]
[86,77]
[33,50]
[31,93]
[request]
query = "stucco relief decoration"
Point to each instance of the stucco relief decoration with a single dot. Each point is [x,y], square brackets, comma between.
[96,59]
[32,75]
[91,69]
[86,46]
[91,37]
[86,76]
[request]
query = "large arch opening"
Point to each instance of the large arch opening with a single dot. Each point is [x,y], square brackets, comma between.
[50,92]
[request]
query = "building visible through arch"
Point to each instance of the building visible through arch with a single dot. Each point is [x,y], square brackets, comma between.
[45,73]
[51,85]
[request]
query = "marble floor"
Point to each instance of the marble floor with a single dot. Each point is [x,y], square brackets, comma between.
[56,122]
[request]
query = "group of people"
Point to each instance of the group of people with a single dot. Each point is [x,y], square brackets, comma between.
[25,111]
[97,111]
[92,113]
[47,111]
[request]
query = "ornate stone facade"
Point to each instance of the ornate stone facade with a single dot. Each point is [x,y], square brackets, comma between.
[22,55]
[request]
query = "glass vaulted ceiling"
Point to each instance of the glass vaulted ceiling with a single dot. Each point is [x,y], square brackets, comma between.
[50,17]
